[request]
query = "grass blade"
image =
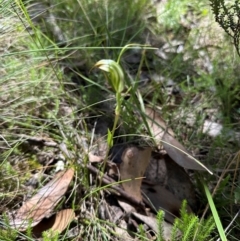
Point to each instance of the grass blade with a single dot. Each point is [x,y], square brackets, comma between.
[215,213]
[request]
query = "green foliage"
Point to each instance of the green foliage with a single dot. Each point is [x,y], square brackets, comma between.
[160,219]
[191,227]
[215,214]
[50,236]
[237,194]
[6,232]
[227,14]
[9,184]
[142,233]
[29,231]
[98,24]
[171,15]
[227,91]
[34,91]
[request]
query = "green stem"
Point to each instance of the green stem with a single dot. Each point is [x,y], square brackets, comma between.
[117,115]
[131,45]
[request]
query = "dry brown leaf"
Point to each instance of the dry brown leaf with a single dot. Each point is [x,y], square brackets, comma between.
[180,155]
[42,203]
[94,158]
[162,170]
[157,125]
[63,218]
[126,206]
[179,183]
[175,150]
[157,172]
[134,163]
[58,222]
[161,198]
[152,223]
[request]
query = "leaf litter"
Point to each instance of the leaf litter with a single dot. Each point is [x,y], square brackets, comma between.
[134,164]
[43,202]
[132,169]
[161,192]
[165,136]
[57,222]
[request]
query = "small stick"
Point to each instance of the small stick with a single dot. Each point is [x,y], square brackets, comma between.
[107,180]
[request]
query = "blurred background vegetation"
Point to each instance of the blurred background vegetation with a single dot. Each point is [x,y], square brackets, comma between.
[48,86]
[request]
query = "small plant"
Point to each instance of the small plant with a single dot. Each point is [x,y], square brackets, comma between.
[50,236]
[188,227]
[115,77]
[7,233]
[227,15]
[39,99]
[116,80]
[192,228]
[160,219]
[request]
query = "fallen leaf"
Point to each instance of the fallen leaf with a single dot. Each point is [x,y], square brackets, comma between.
[42,203]
[134,163]
[163,171]
[94,158]
[162,134]
[126,206]
[161,198]
[58,222]
[180,155]
[110,211]
[152,223]
[156,124]
[63,218]
[179,183]
[157,172]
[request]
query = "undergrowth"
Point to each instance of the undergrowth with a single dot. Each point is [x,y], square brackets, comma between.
[49,90]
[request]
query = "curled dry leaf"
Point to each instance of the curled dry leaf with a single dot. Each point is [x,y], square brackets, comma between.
[134,163]
[42,203]
[63,218]
[179,183]
[174,148]
[58,222]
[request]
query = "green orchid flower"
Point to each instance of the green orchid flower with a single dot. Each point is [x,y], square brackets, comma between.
[115,73]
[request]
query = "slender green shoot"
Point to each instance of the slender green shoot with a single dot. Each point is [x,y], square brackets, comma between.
[215,213]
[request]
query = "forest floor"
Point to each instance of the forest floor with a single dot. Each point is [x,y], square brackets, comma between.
[93,150]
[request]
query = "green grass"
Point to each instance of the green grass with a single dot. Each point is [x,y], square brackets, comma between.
[39,98]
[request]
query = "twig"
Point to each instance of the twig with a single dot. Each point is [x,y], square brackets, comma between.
[39,140]
[107,180]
